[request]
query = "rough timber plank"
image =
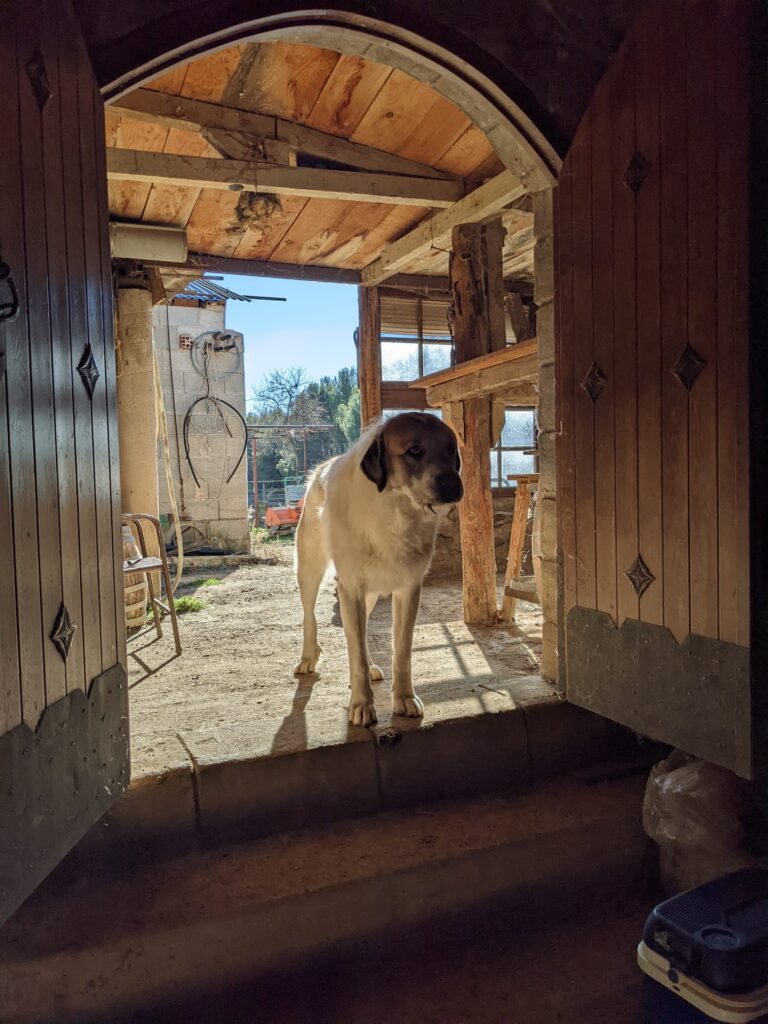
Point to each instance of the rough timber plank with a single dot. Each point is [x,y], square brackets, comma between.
[203,172]
[286,79]
[347,94]
[478,205]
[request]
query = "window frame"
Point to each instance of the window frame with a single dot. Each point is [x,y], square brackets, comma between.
[501,490]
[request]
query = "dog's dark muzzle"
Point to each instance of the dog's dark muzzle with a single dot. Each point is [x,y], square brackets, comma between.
[449,487]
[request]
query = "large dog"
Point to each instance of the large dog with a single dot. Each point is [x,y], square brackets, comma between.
[373,512]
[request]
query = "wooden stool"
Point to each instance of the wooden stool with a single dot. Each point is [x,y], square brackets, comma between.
[513,591]
[147,565]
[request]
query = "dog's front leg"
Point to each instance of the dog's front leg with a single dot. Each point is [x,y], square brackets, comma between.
[405,607]
[354,617]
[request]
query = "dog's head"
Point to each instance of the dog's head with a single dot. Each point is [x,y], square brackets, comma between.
[417,454]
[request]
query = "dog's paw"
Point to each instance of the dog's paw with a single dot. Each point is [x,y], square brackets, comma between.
[362,714]
[375,673]
[409,706]
[308,663]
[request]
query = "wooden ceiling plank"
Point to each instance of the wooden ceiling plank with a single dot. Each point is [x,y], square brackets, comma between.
[265,234]
[395,113]
[345,98]
[396,223]
[196,115]
[213,226]
[354,186]
[470,155]
[286,79]
[309,235]
[440,127]
[486,200]
[208,77]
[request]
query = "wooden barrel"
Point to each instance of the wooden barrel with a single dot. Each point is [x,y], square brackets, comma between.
[135,585]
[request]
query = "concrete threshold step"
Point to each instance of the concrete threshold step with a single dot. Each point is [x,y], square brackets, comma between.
[99,949]
[249,779]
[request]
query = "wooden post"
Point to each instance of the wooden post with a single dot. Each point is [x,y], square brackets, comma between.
[136,410]
[478,328]
[369,355]
[255,473]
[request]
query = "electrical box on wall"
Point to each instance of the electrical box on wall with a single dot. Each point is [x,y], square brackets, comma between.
[185,341]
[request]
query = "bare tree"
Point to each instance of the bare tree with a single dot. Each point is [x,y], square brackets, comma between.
[278,391]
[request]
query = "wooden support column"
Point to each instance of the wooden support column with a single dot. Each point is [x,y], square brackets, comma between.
[136,412]
[369,355]
[478,328]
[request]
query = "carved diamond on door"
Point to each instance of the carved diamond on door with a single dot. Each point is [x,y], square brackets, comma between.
[89,371]
[640,576]
[63,632]
[38,76]
[594,382]
[636,172]
[688,367]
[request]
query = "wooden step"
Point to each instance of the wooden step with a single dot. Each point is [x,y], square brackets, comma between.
[86,950]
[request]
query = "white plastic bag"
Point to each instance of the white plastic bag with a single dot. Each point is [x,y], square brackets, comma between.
[694,812]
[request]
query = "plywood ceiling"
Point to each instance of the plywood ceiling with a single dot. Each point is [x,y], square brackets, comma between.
[345,96]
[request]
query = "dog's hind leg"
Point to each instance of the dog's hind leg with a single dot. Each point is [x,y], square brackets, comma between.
[311,565]
[373,670]
[405,608]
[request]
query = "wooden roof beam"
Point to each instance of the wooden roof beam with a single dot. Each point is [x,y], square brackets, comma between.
[255,176]
[271,133]
[205,263]
[487,200]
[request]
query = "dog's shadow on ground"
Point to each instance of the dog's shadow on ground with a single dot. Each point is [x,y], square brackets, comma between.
[292,732]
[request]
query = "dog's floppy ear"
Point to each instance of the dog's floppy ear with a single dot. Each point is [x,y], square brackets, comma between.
[374,463]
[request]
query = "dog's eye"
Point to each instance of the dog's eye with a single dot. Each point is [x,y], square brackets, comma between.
[415,451]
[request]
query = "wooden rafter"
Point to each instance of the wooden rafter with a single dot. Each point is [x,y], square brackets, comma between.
[484,202]
[201,116]
[205,263]
[258,176]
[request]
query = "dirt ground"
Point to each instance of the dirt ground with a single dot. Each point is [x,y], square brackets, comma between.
[240,648]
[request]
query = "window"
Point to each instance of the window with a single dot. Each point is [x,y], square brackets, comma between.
[508,456]
[415,337]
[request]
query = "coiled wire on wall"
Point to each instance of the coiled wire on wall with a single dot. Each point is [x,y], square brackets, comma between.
[208,352]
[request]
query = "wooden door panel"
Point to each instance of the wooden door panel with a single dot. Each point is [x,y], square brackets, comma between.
[63,696]
[652,298]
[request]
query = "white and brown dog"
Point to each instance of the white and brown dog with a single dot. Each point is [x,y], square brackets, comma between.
[373,512]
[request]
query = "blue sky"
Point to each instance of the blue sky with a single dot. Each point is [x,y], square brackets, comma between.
[312,329]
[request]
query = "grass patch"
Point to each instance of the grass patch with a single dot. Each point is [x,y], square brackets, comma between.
[260,535]
[182,605]
[188,604]
[212,581]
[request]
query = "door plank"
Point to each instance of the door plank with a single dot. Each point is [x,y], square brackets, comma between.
[732,114]
[584,411]
[53,143]
[10,342]
[566,459]
[650,495]
[625,333]
[110,382]
[78,324]
[90,135]
[44,468]
[702,318]
[602,303]
[20,408]
[674,325]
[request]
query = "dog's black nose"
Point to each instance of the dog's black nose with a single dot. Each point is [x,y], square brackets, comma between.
[449,487]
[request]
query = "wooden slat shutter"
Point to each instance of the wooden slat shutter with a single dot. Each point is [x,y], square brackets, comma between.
[652,321]
[63,694]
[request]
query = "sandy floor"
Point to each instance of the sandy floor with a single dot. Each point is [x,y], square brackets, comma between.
[239,652]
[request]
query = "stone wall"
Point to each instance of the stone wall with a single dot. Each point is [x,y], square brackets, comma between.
[447,559]
[217,510]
